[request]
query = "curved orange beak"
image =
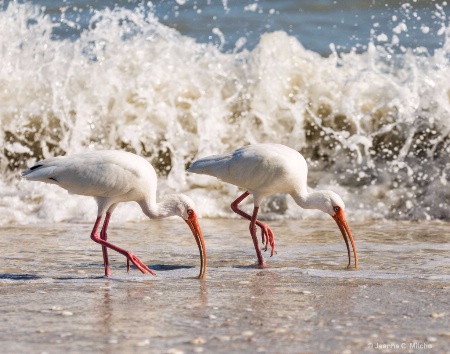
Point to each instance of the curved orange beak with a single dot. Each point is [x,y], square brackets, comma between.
[197,232]
[339,217]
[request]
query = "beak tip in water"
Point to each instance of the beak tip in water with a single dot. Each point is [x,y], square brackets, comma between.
[347,235]
[197,232]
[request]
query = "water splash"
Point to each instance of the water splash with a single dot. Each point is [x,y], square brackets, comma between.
[374,126]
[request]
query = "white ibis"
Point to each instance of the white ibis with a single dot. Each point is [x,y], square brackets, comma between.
[266,169]
[113,177]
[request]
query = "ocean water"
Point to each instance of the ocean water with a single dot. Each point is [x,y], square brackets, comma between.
[360,88]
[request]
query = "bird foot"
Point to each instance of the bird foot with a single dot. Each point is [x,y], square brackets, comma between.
[138,264]
[272,251]
[262,265]
[268,238]
[350,267]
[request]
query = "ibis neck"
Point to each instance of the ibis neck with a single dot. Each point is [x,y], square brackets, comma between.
[307,200]
[302,197]
[160,210]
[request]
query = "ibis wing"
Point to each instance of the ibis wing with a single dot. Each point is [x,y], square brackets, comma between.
[266,168]
[96,174]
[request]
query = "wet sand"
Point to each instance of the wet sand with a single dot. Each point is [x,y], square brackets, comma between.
[54,298]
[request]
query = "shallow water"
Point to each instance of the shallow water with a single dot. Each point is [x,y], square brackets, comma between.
[54,297]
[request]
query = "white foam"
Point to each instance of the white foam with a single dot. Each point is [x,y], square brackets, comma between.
[373,126]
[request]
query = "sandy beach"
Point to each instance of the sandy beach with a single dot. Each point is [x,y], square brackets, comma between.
[55,299]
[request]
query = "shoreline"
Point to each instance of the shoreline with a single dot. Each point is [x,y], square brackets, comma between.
[55,298]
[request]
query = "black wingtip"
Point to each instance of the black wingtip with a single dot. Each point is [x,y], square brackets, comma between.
[35,167]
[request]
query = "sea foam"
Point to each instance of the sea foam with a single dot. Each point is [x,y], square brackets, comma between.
[373,126]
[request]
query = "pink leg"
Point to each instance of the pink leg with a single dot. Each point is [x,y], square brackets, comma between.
[266,233]
[130,257]
[252,228]
[104,237]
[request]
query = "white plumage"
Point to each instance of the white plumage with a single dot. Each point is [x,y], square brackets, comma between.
[112,177]
[266,169]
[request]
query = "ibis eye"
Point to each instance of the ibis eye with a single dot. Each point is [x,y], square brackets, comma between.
[189,212]
[336,208]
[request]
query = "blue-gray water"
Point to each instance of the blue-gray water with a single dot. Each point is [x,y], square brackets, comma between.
[347,25]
